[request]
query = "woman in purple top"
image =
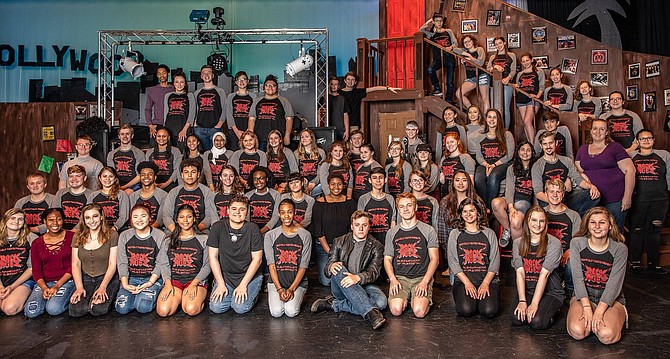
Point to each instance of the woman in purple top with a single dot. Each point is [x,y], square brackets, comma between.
[606,165]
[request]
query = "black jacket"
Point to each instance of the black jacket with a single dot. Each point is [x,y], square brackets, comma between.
[371,258]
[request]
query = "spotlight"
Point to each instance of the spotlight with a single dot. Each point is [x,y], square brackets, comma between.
[199,16]
[218,20]
[303,62]
[132,63]
[219,62]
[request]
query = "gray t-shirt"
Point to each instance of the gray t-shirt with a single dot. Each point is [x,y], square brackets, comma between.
[474,254]
[354,260]
[288,253]
[533,265]
[598,275]
[408,248]
[92,167]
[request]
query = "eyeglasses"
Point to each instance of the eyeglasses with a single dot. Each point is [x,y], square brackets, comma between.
[616,99]
[645,139]
[242,80]
[271,86]
[83,145]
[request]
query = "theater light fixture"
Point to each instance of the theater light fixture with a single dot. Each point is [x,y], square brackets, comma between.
[199,16]
[303,62]
[218,20]
[219,62]
[132,63]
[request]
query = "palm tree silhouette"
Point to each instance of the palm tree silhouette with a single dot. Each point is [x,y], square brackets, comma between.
[609,33]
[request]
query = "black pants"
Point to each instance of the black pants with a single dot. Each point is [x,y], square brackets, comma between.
[91,284]
[547,309]
[466,306]
[646,221]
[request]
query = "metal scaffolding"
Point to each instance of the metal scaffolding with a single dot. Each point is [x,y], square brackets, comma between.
[109,40]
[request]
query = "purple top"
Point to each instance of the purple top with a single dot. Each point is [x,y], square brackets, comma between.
[603,170]
[155,101]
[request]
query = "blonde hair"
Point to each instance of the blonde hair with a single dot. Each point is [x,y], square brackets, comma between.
[614,232]
[23,232]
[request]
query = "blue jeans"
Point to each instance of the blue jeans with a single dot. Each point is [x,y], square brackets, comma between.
[253,289]
[567,279]
[143,302]
[488,186]
[356,299]
[321,259]
[448,66]
[36,304]
[619,217]
[579,200]
[522,206]
[205,135]
[507,97]
[317,191]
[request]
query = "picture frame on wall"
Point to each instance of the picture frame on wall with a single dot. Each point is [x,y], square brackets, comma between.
[566,42]
[634,71]
[540,35]
[493,17]
[513,40]
[48,133]
[599,57]
[80,112]
[666,97]
[631,93]
[569,66]
[605,103]
[490,44]
[469,26]
[599,79]
[541,62]
[652,69]
[459,6]
[650,101]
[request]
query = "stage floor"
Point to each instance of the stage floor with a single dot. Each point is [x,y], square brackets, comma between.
[326,335]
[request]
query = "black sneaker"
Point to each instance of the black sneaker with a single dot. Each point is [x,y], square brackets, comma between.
[321,305]
[376,318]
[436,92]
[658,270]
[636,267]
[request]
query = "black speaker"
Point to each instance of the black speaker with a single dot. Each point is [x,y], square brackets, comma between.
[101,147]
[325,136]
[35,90]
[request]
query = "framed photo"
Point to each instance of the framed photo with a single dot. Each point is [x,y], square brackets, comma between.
[599,79]
[598,57]
[566,42]
[514,40]
[569,66]
[666,128]
[80,112]
[493,17]
[634,71]
[540,35]
[631,93]
[490,44]
[650,101]
[469,26]
[48,133]
[652,69]
[541,62]
[605,103]
[459,6]
[93,110]
[666,97]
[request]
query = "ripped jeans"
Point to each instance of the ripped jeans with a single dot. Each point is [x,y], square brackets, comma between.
[645,219]
[36,304]
[143,302]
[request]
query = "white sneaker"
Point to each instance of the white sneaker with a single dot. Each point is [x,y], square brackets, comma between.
[505,237]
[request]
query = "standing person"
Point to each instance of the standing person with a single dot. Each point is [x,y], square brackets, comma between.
[424,163]
[209,110]
[598,305]
[362,184]
[262,199]
[248,158]
[114,202]
[535,257]
[411,256]
[338,107]
[354,146]
[435,30]
[166,158]
[34,204]
[494,153]
[73,198]
[650,202]
[337,161]
[271,112]
[426,206]
[94,252]
[505,62]
[125,160]
[558,95]
[330,221]
[287,251]
[138,264]
[309,155]
[398,170]
[303,203]
[192,151]
[354,263]
[474,259]
[561,136]
[474,55]
[410,141]
[217,157]
[453,158]
[230,185]
[511,209]
[531,80]
[607,166]
[281,161]
[154,113]
[235,248]
[237,108]
[179,112]
[354,97]
[51,258]
[187,270]
[380,205]
[149,195]
[587,106]
[447,126]
[91,166]
[16,272]
[622,124]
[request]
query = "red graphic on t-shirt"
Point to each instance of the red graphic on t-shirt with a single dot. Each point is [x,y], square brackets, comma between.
[161,164]
[223,211]
[10,260]
[206,101]
[527,184]
[192,203]
[532,265]
[122,165]
[448,171]
[526,82]
[71,212]
[393,182]
[274,166]
[595,275]
[246,168]
[268,109]
[360,179]
[139,259]
[298,217]
[260,211]
[646,168]
[288,257]
[379,220]
[422,216]
[33,219]
[109,211]
[183,260]
[241,108]
[490,152]
[216,169]
[620,125]
[308,168]
[176,105]
[408,250]
[473,256]
[556,232]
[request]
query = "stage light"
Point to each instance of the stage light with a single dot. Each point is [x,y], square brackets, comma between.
[199,16]
[132,63]
[219,62]
[218,20]
[303,62]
